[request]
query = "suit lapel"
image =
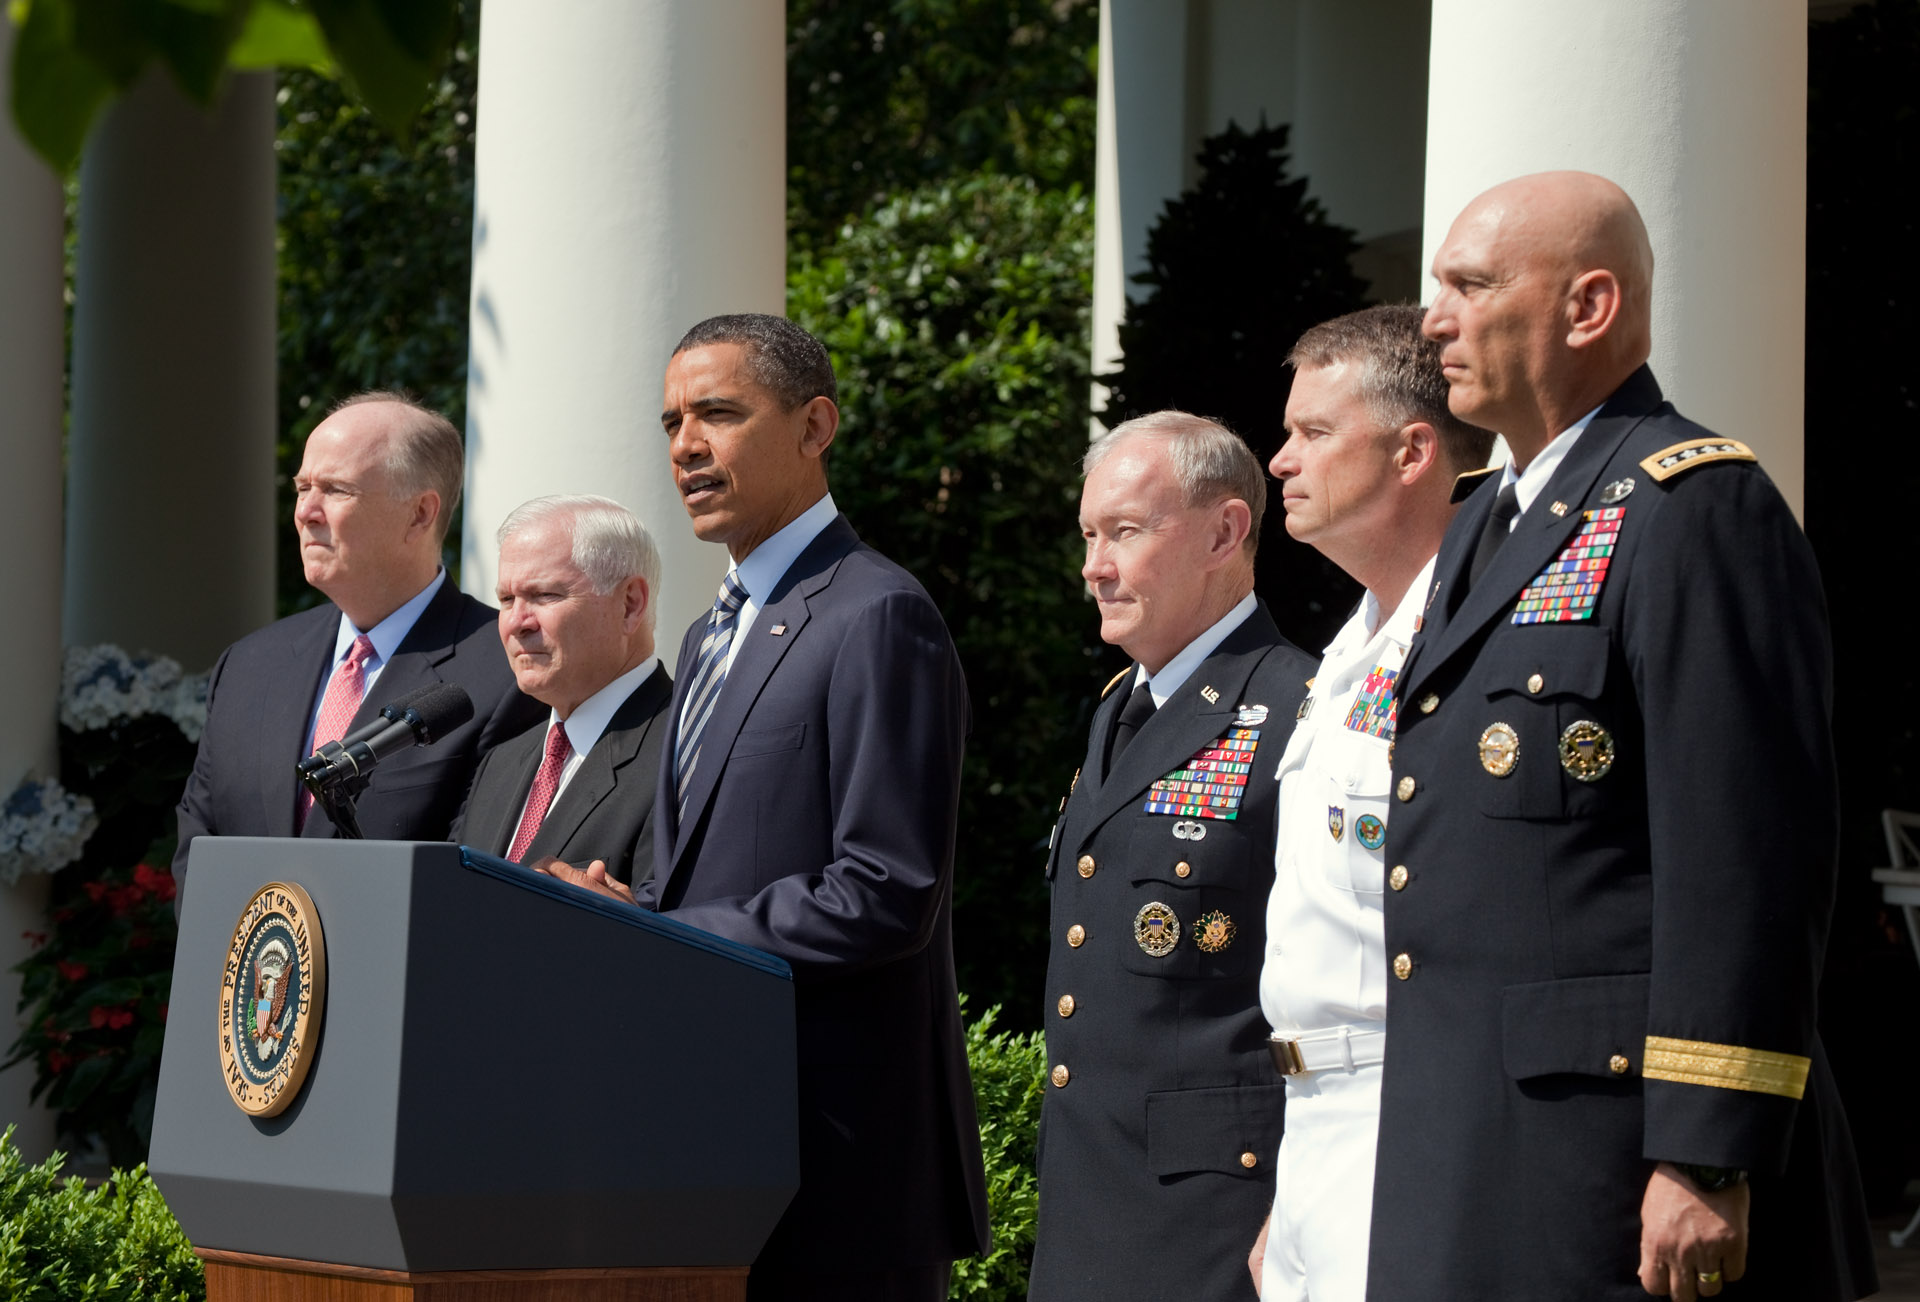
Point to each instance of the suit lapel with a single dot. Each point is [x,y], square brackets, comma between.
[427,645]
[501,819]
[599,772]
[753,664]
[285,715]
[1536,540]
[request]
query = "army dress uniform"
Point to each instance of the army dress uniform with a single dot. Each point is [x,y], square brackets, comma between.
[1162,1109]
[1324,983]
[1615,809]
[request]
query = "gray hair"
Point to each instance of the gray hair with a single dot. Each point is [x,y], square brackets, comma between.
[610,545]
[1399,374]
[424,452]
[1210,462]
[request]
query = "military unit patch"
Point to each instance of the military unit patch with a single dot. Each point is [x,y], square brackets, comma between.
[1373,711]
[1210,784]
[1569,588]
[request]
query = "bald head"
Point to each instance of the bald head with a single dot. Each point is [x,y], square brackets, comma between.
[1544,305]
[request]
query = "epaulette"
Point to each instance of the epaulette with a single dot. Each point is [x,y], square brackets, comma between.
[1668,462]
[1114,681]
[1463,485]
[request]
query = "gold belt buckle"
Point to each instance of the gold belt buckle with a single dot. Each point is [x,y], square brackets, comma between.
[1286,1056]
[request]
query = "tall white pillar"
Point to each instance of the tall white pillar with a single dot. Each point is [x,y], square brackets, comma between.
[170,528]
[31,341]
[1699,109]
[630,180]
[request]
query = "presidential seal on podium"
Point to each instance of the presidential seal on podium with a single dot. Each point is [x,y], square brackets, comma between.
[272,994]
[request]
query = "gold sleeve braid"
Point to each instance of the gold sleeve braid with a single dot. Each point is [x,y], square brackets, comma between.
[1727,1066]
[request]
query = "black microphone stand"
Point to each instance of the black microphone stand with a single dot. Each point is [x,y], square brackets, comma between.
[337,798]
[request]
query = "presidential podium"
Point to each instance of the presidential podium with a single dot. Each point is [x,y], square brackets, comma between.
[513,1090]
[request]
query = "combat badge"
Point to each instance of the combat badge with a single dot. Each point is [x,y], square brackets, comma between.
[272,995]
[1499,749]
[1370,831]
[1336,821]
[1617,491]
[1250,716]
[1213,932]
[1187,829]
[1155,929]
[1586,750]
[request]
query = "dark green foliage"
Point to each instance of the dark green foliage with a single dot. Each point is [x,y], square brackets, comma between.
[1863,395]
[1008,1075]
[957,320]
[376,252]
[1238,268]
[95,992]
[63,1242]
[887,95]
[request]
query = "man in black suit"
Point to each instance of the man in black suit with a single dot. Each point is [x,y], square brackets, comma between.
[1163,1110]
[377,485]
[1616,812]
[807,807]
[577,581]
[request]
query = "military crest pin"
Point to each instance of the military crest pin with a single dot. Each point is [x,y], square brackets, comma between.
[1213,932]
[1336,821]
[1586,751]
[272,994]
[1617,491]
[1189,829]
[1155,929]
[1211,693]
[1499,749]
[1370,831]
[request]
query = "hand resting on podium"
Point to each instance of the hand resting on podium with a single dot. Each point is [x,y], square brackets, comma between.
[593,877]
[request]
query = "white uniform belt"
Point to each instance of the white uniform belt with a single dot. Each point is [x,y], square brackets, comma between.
[1338,1048]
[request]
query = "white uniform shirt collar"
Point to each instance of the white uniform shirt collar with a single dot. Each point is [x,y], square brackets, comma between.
[1177,670]
[768,563]
[1359,631]
[1529,482]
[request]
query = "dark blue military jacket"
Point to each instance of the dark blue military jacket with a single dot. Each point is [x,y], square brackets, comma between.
[1163,1110]
[1616,807]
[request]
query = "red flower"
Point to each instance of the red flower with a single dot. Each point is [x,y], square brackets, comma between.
[58,1062]
[159,881]
[70,970]
[121,899]
[98,1017]
[119,1019]
[94,890]
[35,938]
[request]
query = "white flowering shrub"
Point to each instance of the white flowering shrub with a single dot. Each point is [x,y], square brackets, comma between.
[103,685]
[43,828]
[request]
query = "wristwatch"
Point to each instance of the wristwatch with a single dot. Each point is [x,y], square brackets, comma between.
[1711,1179]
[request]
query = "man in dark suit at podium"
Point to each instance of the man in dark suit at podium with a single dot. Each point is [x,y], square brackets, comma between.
[578,578]
[807,807]
[376,488]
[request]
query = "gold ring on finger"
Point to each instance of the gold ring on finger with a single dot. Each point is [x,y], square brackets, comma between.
[1709,1276]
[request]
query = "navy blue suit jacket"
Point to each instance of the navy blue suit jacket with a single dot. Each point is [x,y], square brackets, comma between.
[819,826]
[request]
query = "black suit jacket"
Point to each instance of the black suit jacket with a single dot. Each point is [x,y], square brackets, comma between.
[1613,944]
[1145,1190]
[260,699]
[606,812]
[819,826]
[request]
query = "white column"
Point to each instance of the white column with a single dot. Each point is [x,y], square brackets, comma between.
[170,528]
[1699,109]
[630,180]
[30,368]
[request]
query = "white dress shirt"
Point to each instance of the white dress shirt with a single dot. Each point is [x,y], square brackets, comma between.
[588,722]
[1176,671]
[1529,482]
[386,637]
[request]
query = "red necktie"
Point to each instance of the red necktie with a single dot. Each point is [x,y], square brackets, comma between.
[345,690]
[546,784]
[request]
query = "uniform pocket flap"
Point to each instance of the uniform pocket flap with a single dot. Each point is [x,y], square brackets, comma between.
[1568,659]
[1580,1025]
[1215,1130]
[765,741]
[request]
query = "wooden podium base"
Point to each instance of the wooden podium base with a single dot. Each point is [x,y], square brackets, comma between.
[243,1277]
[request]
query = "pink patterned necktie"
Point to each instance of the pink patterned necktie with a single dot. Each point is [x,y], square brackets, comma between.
[546,784]
[345,690]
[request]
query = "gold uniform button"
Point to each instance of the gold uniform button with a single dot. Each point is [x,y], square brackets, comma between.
[1076,935]
[1086,865]
[1618,1064]
[1066,1005]
[1536,684]
[1249,1159]
[1398,877]
[1060,1076]
[1405,789]
[1429,703]
[1183,869]
[1402,968]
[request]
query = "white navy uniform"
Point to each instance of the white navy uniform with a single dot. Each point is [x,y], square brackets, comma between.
[1324,981]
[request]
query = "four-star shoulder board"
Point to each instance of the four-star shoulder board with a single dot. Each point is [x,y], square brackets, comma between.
[1668,462]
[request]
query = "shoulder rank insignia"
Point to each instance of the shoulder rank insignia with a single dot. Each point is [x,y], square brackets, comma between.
[1463,485]
[1569,588]
[1114,681]
[1668,462]
[1211,784]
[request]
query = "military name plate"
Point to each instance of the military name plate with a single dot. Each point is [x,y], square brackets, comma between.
[272,994]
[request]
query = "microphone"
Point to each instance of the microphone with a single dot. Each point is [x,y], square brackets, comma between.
[419,718]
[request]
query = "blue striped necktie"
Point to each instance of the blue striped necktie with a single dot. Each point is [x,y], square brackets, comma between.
[709,672]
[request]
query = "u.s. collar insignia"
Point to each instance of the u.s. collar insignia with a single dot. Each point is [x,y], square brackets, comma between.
[1559,508]
[1250,716]
[1617,491]
[1212,694]
[272,994]
[1336,821]
[1155,929]
[1213,932]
